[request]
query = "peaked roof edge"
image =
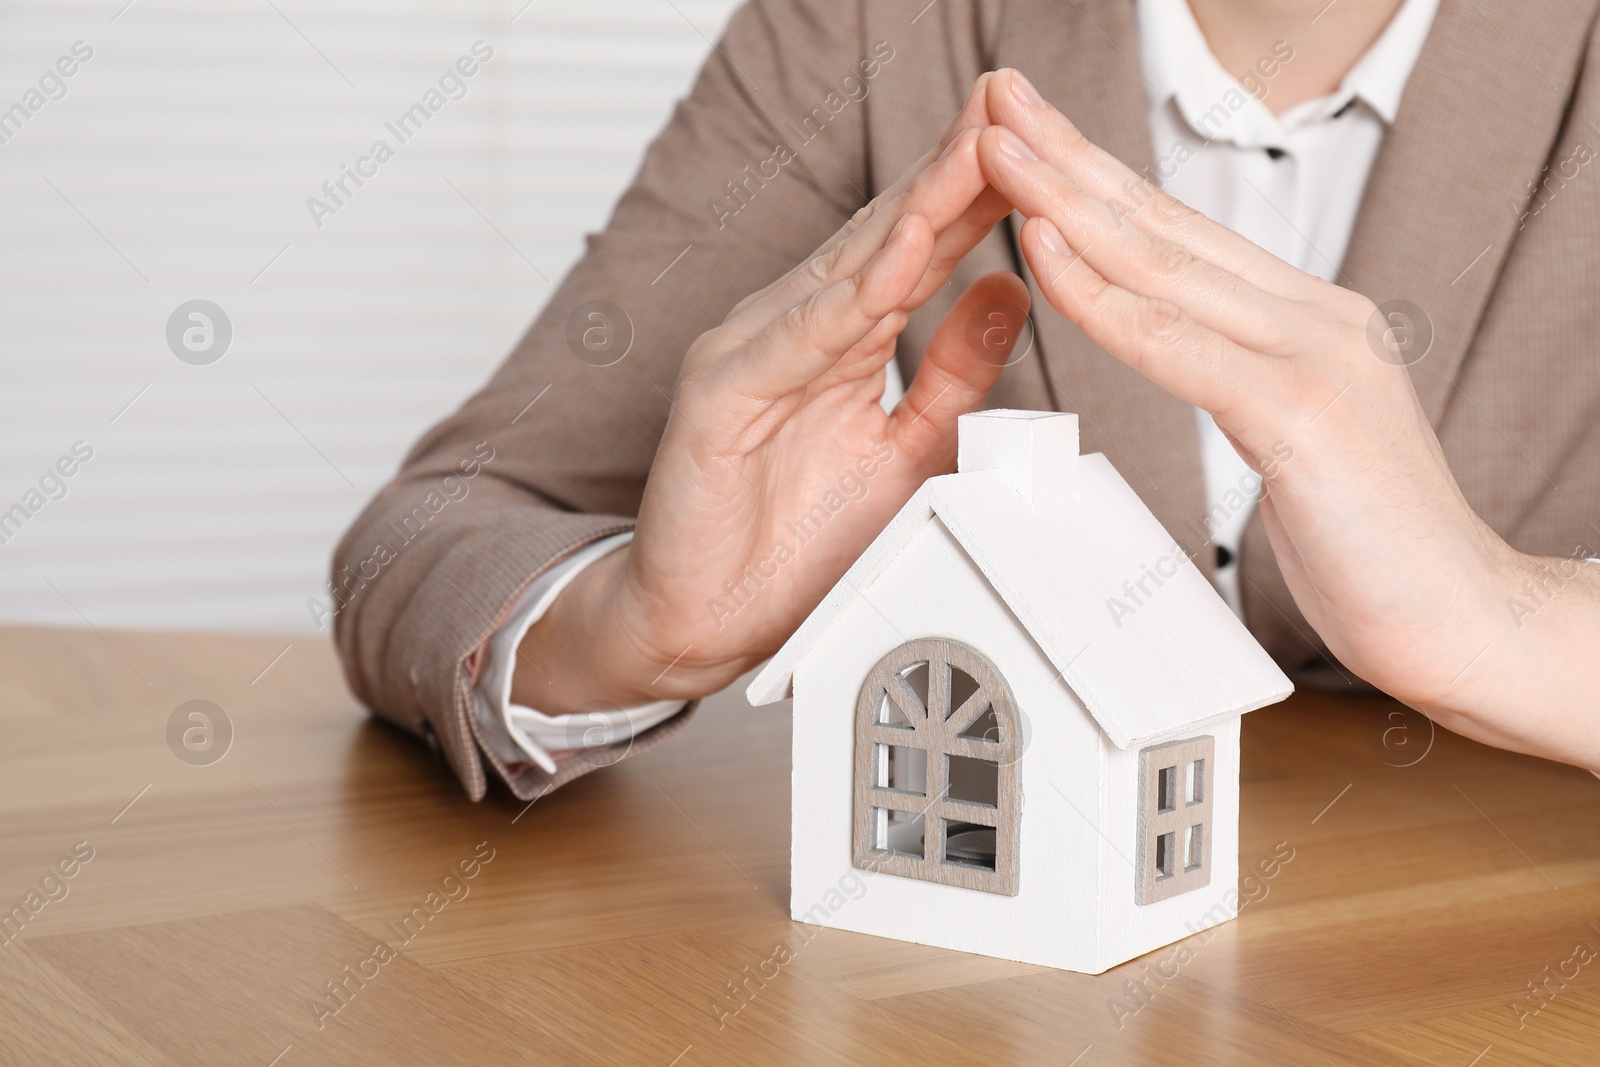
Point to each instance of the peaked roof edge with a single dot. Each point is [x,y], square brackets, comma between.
[989,558]
[774,683]
[775,680]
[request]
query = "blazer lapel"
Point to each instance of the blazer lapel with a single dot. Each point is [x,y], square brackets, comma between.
[1476,124]
[1083,57]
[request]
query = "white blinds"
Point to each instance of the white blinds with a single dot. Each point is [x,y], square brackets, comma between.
[174,165]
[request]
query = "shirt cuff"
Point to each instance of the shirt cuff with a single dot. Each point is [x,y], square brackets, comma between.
[547,738]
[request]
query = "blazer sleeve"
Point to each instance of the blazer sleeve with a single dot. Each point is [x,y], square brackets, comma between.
[763,160]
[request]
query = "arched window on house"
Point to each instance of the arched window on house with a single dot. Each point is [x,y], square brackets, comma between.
[936,777]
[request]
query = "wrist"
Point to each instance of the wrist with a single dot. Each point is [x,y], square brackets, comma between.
[569,657]
[601,641]
[1480,631]
[1516,647]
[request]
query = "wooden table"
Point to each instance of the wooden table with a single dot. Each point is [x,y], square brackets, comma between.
[617,917]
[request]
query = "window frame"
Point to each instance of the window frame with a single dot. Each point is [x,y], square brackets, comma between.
[1192,766]
[936,730]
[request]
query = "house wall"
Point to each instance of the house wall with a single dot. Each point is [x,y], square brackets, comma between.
[1129,929]
[933,589]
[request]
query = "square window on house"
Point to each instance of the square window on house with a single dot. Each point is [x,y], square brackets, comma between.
[1174,848]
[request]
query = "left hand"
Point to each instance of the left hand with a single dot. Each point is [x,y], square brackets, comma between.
[1388,561]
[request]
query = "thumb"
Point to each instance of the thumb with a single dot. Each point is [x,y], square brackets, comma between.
[976,340]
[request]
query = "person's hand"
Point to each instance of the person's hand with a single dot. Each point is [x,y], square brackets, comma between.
[778,465]
[1387,560]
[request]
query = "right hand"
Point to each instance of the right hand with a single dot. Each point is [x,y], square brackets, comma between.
[777,413]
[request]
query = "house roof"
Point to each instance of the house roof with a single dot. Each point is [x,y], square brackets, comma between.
[1148,665]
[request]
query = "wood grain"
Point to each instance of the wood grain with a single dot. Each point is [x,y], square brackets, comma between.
[639,915]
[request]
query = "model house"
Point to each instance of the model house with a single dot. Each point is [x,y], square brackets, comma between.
[1019,710]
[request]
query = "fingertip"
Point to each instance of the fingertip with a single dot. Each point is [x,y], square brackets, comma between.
[966,140]
[980,91]
[972,115]
[891,275]
[913,230]
[998,95]
[1051,237]
[1000,76]
[985,148]
[993,160]
[1047,251]
[1015,102]
[1013,177]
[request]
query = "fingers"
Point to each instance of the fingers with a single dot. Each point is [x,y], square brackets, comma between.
[1152,335]
[1152,266]
[945,192]
[952,244]
[973,114]
[796,348]
[1016,104]
[870,226]
[962,362]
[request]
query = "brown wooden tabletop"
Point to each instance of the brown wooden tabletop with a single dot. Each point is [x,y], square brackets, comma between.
[1441,906]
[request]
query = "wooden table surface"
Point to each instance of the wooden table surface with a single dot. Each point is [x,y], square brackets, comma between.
[636,917]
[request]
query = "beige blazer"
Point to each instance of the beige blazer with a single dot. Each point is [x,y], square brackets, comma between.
[856,90]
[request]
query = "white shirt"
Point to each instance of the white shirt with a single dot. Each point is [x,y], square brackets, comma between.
[1215,145]
[1215,148]
[546,738]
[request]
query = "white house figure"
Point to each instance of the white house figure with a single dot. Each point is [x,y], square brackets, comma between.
[1020,711]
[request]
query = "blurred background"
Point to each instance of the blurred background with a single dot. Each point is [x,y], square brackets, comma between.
[183,160]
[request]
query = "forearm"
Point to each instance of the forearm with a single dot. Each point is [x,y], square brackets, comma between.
[1531,680]
[428,571]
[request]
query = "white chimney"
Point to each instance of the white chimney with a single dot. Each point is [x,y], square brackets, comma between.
[1037,451]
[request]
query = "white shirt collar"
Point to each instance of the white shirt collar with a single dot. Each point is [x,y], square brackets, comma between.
[1178,65]
[1379,77]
